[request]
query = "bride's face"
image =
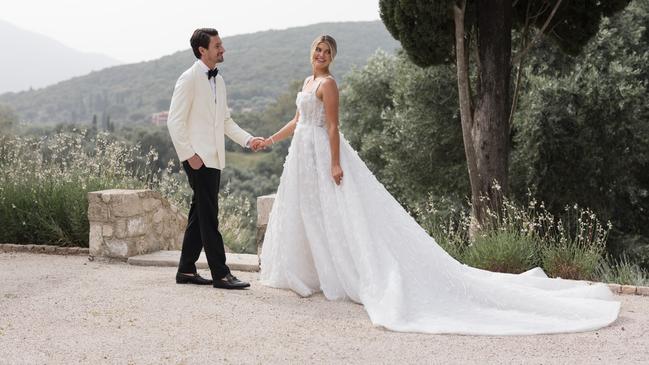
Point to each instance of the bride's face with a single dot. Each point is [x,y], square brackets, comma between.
[321,56]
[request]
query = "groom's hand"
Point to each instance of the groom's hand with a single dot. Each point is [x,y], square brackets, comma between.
[256,143]
[195,162]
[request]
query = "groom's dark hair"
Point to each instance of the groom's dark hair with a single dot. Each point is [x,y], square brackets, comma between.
[201,38]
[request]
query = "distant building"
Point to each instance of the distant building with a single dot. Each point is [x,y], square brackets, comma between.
[159,118]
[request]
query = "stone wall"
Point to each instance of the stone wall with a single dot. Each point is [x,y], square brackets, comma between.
[125,223]
[264,206]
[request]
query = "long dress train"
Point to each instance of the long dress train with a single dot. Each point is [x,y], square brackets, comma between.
[354,241]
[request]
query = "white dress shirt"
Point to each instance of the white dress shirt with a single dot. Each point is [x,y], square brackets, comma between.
[212,82]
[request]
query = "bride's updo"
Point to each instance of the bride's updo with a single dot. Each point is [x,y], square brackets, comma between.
[329,41]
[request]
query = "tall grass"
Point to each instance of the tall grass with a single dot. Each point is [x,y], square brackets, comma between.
[516,237]
[44,184]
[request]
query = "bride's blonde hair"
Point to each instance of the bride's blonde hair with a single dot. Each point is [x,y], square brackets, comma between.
[329,41]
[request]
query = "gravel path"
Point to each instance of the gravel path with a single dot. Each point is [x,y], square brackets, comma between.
[65,309]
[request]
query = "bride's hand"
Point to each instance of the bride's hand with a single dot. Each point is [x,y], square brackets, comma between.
[337,174]
[267,142]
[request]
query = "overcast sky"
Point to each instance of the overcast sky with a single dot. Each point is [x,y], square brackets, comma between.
[138,30]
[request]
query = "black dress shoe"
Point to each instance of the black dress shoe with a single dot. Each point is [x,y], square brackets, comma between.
[230,282]
[192,279]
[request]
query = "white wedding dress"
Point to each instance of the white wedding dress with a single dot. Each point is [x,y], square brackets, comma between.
[354,241]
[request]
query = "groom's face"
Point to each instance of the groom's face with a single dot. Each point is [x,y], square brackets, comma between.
[214,53]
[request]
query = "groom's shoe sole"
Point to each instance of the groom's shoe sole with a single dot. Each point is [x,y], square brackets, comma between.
[228,286]
[221,285]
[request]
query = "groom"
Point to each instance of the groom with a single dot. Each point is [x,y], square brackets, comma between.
[198,119]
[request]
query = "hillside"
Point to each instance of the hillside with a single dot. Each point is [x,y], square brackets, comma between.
[32,60]
[258,68]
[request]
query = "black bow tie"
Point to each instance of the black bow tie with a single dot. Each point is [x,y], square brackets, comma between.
[212,73]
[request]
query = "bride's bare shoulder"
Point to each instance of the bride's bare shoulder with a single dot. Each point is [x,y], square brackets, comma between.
[329,82]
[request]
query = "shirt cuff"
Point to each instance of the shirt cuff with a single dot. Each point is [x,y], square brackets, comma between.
[248,141]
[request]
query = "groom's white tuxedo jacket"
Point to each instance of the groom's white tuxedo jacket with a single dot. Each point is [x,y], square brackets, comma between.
[198,119]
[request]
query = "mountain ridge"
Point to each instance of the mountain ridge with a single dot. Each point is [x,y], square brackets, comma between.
[258,68]
[24,65]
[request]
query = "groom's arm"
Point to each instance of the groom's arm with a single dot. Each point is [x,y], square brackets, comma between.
[234,132]
[181,102]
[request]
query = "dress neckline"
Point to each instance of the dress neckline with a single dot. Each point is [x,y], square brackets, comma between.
[315,88]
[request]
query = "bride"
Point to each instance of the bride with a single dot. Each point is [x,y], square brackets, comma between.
[334,228]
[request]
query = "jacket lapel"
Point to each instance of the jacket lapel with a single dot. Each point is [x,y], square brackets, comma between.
[204,89]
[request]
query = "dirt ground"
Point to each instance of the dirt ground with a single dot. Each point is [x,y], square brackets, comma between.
[66,309]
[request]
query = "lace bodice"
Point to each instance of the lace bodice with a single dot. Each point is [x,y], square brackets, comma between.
[310,107]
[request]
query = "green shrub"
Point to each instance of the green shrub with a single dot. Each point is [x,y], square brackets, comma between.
[44,184]
[503,251]
[622,272]
[570,261]
[517,236]
[236,222]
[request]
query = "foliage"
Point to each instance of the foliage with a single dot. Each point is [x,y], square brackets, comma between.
[237,222]
[502,251]
[403,120]
[570,262]
[582,135]
[44,184]
[129,94]
[622,271]
[426,29]
[7,119]
[517,237]
[434,33]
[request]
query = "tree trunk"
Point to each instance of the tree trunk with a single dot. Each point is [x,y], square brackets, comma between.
[490,129]
[485,130]
[466,110]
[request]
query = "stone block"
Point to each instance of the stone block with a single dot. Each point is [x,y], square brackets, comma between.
[98,212]
[643,290]
[9,247]
[96,239]
[158,216]
[145,193]
[151,204]
[158,228]
[261,231]
[120,228]
[38,248]
[126,205]
[116,248]
[264,206]
[20,248]
[615,288]
[94,197]
[133,222]
[628,289]
[107,230]
[136,227]
[105,198]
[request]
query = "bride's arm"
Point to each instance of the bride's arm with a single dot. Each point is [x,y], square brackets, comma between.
[284,132]
[330,100]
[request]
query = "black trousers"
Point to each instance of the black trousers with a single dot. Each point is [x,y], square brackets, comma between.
[203,223]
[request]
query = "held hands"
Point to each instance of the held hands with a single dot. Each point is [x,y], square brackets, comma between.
[337,174]
[259,143]
[268,142]
[256,143]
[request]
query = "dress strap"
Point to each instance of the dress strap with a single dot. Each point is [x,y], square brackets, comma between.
[320,81]
[306,81]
